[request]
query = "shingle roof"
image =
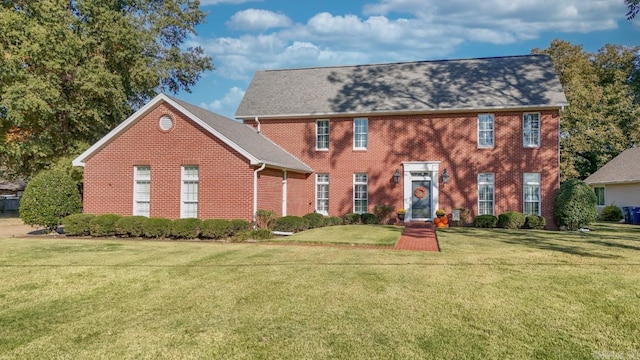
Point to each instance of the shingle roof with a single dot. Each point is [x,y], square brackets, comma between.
[254,146]
[427,86]
[624,168]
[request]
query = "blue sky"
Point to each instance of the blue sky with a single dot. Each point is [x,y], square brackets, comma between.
[243,36]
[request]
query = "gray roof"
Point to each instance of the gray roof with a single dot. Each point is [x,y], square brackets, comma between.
[624,168]
[426,86]
[12,185]
[248,139]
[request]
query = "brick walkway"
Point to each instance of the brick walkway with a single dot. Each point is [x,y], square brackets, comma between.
[418,236]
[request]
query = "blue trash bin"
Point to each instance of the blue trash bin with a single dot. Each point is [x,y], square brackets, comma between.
[636,215]
[628,218]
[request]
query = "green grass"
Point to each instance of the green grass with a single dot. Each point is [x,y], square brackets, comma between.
[490,294]
[379,235]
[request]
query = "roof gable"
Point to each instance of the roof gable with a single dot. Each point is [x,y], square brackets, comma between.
[624,168]
[428,86]
[253,146]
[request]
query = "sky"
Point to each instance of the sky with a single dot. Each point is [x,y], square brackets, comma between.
[243,36]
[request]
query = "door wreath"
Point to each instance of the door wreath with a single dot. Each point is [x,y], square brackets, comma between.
[420,192]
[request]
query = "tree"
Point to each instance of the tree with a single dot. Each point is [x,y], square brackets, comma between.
[603,116]
[49,197]
[634,7]
[575,205]
[72,70]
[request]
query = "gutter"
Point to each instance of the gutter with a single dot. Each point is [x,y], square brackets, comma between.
[258,121]
[255,192]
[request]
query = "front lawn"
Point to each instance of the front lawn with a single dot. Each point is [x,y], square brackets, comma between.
[490,294]
[379,235]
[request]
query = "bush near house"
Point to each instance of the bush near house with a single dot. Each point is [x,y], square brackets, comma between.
[48,198]
[485,221]
[185,228]
[265,218]
[291,223]
[156,227]
[534,222]
[575,205]
[77,224]
[238,225]
[611,213]
[369,219]
[130,226]
[382,213]
[511,220]
[104,225]
[216,229]
[465,216]
[351,218]
[333,221]
[315,220]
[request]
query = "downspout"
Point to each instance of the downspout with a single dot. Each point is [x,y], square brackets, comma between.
[255,192]
[258,121]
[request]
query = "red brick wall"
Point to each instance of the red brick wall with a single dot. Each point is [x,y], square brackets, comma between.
[449,138]
[270,190]
[225,177]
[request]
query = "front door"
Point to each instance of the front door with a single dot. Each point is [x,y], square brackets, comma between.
[421,199]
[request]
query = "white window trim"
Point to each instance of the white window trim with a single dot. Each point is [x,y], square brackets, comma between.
[524,200]
[366,121]
[493,131]
[318,182]
[538,130]
[328,134]
[493,200]
[183,180]
[366,193]
[137,180]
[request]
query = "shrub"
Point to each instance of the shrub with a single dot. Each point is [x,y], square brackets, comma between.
[465,215]
[368,218]
[575,205]
[265,218]
[238,225]
[77,224]
[333,221]
[261,234]
[511,220]
[534,222]
[130,226]
[291,224]
[485,221]
[382,213]
[185,228]
[156,227]
[104,225]
[351,218]
[215,229]
[48,198]
[315,220]
[611,213]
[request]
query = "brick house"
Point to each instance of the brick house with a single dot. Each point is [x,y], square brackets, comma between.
[388,133]
[477,133]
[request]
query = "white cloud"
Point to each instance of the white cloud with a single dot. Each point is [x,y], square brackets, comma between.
[228,104]
[256,19]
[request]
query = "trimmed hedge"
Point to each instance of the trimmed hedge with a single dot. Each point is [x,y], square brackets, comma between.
[611,213]
[315,220]
[238,225]
[485,221]
[333,221]
[77,224]
[291,224]
[382,213]
[352,218]
[215,229]
[104,225]
[511,220]
[130,226]
[368,218]
[185,228]
[156,227]
[534,222]
[575,205]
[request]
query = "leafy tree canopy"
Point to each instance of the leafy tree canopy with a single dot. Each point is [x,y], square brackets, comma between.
[72,70]
[603,116]
[634,7]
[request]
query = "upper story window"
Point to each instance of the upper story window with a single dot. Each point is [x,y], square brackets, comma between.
[141,190]
[531,192]
[486,194]
[189,196]
[600,195]
[322,134]
[485,130]
[531,130]
[360,133]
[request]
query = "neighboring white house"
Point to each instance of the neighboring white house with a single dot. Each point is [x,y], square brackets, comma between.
[618,181]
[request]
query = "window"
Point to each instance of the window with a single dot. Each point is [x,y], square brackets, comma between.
[322,135]
[322,194]
[600,195]
[531,191]
[360,131]
[485,194]
[531,130]
[141,190]
[189,198]
[485,130]
[360,193]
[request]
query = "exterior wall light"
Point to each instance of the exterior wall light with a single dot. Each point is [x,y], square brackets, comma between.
[445,176]
[396,177]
